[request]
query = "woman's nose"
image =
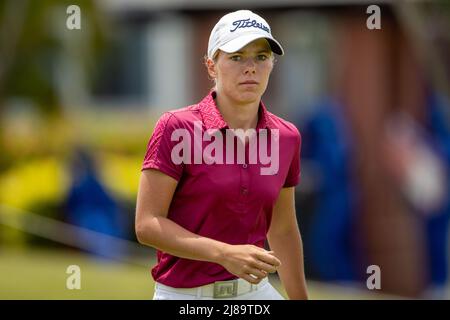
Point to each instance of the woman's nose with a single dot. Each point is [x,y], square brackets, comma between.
[250,66]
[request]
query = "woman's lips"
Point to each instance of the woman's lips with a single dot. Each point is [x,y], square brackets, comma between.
[249,82]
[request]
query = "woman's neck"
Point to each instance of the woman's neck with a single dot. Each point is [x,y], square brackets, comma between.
[238,116]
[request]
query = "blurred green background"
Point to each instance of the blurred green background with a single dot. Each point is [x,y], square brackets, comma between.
[40,274]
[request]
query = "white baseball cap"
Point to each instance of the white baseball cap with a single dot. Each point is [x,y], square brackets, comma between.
[237,29]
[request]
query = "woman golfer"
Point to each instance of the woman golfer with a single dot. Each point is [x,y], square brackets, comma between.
[218,180]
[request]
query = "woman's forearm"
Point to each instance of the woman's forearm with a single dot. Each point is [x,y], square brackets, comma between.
[288,248]
[246,261]
[167,236]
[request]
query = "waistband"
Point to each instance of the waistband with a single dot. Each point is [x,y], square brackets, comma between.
[218,289]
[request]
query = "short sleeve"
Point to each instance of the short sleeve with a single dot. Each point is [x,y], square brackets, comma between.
[293,176]
[159,148]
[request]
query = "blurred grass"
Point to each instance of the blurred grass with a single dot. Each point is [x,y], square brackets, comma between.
[41,274]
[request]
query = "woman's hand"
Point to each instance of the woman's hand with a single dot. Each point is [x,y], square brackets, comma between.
[249,262]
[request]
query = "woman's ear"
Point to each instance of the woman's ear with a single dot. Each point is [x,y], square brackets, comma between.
[211,66]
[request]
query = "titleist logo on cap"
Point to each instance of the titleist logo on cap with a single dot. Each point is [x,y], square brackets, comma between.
[246,23]
[237,29]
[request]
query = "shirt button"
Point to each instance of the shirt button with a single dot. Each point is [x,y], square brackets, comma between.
[244,191]
[244,166]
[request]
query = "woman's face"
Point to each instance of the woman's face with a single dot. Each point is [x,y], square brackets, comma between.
[243,75]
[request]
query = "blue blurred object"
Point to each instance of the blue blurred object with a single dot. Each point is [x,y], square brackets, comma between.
[326,144]
[88,205]
[437,223]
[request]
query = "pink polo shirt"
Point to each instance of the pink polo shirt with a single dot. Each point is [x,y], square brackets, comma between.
[230,201]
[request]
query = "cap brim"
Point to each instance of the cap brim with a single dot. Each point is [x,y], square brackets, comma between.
[240,42]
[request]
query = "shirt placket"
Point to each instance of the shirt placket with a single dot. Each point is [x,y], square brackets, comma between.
[244,185]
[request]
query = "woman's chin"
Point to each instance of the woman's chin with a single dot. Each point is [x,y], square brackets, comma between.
[248,97]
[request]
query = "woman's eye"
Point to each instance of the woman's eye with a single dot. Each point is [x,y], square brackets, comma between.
[262,57]
[235,58]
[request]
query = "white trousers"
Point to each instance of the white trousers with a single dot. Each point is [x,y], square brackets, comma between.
[264,292]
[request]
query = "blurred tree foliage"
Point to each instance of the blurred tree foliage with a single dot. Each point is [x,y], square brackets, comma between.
[30,42]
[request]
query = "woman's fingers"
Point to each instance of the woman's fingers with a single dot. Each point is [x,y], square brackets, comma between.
[268,268]
[268,258]
[247,260]
[250,278]
[256,272]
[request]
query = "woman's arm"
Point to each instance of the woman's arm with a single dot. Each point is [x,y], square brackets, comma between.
[153,228]
[285,240]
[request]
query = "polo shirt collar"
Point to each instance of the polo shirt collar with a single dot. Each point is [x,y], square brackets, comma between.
[212,118]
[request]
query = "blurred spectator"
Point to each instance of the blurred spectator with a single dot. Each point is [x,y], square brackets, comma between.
[88,204]
[438,221]
[418,158]
[326,145]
